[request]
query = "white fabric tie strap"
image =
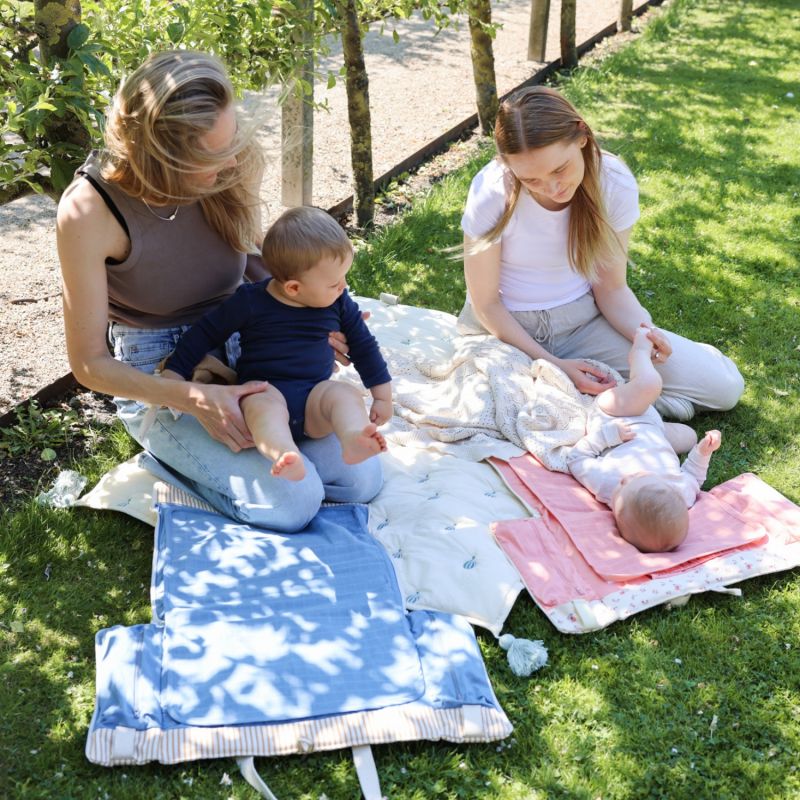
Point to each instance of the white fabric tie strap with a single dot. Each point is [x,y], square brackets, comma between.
[367,772]
[123,744]
[734,590]
[249,772]
[472,724]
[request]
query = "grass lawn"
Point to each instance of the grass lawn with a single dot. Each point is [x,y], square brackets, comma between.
[698,702]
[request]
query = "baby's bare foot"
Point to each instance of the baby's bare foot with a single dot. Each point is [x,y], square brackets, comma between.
[641,340]
[358,446]
[289,466]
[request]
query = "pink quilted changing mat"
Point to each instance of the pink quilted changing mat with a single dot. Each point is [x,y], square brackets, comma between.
[572,559]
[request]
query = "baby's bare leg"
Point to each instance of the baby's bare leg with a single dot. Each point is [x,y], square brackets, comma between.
[680,436]
[338,407]
[267,418]
[642,389]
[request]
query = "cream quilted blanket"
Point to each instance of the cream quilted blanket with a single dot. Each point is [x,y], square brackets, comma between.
[469,396]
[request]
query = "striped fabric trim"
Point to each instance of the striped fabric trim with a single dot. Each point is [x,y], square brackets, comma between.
[413,722]
[167,493]
[164,492]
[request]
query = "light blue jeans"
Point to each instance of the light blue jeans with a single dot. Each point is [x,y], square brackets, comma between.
[238,485]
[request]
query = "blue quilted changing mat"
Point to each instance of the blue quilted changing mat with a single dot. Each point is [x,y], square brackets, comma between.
[264,644]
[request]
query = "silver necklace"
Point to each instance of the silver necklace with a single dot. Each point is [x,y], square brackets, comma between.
[158,216]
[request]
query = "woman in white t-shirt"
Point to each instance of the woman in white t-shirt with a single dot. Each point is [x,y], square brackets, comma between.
[546,229]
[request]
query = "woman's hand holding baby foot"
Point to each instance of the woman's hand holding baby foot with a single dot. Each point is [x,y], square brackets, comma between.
[358,446]
[709,443]
[289,466]
[662,349]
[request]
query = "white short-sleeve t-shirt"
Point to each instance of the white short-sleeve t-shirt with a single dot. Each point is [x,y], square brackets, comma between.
[535,272]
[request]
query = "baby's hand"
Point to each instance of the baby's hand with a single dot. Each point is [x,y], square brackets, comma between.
[381,411]
[709,443]
[626,433]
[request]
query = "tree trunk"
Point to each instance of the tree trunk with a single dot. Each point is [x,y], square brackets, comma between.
[625,15]
[54,20]
[480,14]
[357,84]
[537,34]
[297,131]
[569,52]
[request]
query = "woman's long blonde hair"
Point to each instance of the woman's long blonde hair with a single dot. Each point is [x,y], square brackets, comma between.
[153,148]
[537,117]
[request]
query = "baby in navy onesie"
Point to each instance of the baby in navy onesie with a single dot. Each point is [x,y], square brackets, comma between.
[629,457]
[284,324]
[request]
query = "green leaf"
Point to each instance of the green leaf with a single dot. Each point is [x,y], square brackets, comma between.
[331,80]
[61,174]
[44,105]
[95,65]
[175,31]
[16,626]
[77,36]
[48,454]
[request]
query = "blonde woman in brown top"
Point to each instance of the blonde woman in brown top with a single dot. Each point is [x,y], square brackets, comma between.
[154,232]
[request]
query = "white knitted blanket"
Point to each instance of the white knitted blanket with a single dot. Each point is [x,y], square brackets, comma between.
[472,397]
[484,393]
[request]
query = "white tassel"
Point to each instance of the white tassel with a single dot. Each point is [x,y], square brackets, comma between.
[524,656]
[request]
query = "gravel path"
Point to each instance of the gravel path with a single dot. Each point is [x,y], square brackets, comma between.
[419,88]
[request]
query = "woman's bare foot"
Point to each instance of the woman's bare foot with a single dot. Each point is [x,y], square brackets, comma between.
[358,446]
[289,466]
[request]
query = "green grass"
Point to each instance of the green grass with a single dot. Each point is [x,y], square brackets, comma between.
[698,702]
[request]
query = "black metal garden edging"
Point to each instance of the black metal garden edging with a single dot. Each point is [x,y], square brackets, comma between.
[67,383]
[344,207]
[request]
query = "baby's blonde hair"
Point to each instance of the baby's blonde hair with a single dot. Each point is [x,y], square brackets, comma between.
[653,518]
[299,239]
[153,148]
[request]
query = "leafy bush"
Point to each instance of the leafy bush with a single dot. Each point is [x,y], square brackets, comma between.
[52,112]
[54,109]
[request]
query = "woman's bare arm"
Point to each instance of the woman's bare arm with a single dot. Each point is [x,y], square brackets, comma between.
[620,306]
[615,299]
[87,235]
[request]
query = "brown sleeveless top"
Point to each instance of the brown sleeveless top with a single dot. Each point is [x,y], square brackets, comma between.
[176,271]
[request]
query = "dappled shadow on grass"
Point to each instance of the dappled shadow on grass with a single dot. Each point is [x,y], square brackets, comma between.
[697,135]
[72,573]
[698,701]
[718,245]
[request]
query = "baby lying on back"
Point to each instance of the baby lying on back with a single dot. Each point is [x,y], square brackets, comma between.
[628,458]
